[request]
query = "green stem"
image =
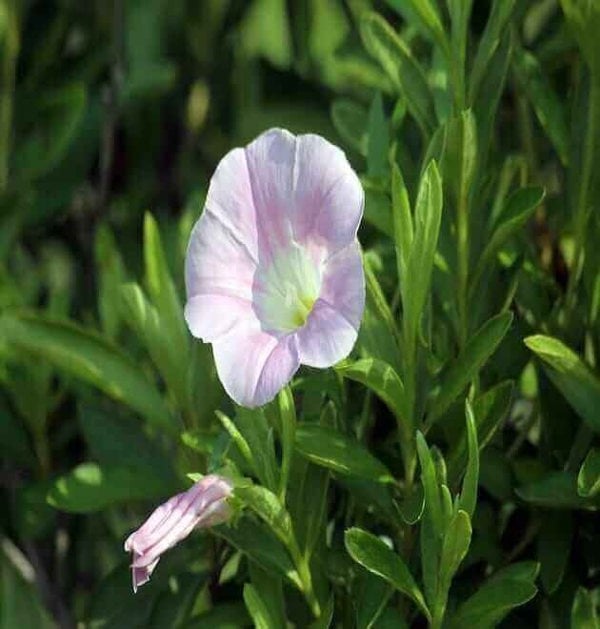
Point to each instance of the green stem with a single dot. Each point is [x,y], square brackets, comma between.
[7,85]
[583,198]
[303,569]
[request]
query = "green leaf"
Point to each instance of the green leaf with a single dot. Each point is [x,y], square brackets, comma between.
[557,490]
[454,548]
[172,353]
[350,120]
[162,291]
[570,375]
[507,589]
[489,409]
[117,440]
[257,609]
[584,614]
[518,209]
[427,220]
[403,223]
[329,448]
[377,298]
[458,373]
[378,144]
[111,274]
[546,102]
[395,57]
[258,434]
[554,547]
[373,554]
[459,162]
[424,12]
[433,505]
[490,42]
[307,502]
[588,479]
[468,496]
[486,97]
[372,597]
[86,355]
[380,377]
[90,487]
[287,414]
[259,544]
[269,509]
[48,121]
[222,616]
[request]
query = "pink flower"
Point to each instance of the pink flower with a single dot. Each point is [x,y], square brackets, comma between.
[273,269]
[203,505]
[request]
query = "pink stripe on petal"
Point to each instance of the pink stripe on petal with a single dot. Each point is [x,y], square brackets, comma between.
[328,200]
[270,163]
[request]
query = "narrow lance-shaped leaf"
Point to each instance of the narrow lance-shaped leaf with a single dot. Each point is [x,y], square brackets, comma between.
[492,35]
[165,298]
[385,45]
[507,589]
[258,609]
[373,554]
[350,120]
[517,211]
[403,223]
[570,375]
[379,301]
[427,219]
[287,414]
[468,496]
[86,355]
[426,13]
[269,509]
[433,506]
[381,378]
[457,540]
[378,139]
[329,448]
[545,101]
[457,374]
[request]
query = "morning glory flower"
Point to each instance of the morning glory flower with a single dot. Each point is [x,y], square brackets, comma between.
[203,505]
[273,269]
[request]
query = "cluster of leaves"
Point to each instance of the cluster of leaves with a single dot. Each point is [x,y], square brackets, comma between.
[447,472]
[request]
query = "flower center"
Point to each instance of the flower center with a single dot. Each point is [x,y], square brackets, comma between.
[286,290]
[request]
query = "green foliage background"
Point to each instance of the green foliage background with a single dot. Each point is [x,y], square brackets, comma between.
[447,473]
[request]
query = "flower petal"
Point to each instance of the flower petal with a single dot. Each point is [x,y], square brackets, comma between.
[211,316]
[343,283]
[230,200]
[328,199]
[326,338]
[254,365]
[270,163]
[216,262]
